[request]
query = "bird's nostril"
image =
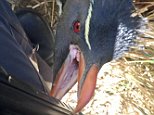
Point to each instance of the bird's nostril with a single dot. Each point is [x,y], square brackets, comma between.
[75,52]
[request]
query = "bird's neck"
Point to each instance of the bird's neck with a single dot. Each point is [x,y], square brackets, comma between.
[126,37]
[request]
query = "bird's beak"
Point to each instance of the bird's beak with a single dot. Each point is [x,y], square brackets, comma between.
[76,68]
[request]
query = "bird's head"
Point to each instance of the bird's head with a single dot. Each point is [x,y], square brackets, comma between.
[85,40]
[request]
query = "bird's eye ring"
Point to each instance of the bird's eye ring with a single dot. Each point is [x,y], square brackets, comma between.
[76,26]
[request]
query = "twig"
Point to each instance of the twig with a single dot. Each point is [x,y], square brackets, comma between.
[52,15]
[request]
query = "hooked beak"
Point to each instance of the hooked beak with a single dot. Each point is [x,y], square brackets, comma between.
[75,69]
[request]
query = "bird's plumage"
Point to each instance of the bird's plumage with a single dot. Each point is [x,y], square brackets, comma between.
[107,29]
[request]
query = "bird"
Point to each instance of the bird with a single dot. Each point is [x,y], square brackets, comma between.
[41,39]
[89,34]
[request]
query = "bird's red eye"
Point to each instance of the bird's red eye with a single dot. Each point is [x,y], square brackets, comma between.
[76,26]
